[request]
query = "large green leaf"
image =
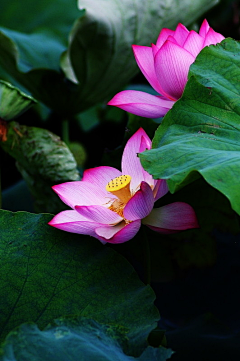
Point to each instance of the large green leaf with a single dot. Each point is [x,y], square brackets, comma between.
[41,32]
[47,273]
[99,59]
[31,47]
[200,135]
[13,102]
[79,339]
[43,160]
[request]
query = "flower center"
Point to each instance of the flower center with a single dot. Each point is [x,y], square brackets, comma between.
[120,187]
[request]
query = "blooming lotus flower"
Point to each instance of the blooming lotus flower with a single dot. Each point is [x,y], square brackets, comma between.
[110,205]
[165,66]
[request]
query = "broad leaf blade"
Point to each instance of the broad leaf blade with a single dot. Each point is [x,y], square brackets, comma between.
[39,50]
[47,273]
[13,102]
[201,132]
[31,48]
[41,32]
[79,339]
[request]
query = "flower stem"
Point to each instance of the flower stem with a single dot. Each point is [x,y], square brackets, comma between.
[147,259]
[65,131]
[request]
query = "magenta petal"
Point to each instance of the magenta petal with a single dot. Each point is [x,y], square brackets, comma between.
[163,36]
[120,233]
[181,34]
[80,193]
[100,176]
[99,214]
[154,51]
[176,216]
[71,221]
[141,204]
[160,189]
[142,104]
[145,61]
[204,28]
[212,38]
[194,43]
[130,161]
[172,64]
[172,39]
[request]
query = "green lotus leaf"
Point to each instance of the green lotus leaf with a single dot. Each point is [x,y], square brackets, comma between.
[78,339]
[47,273]
[13,102]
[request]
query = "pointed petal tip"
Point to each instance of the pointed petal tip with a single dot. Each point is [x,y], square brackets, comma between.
[112,101]
[141,103]
[204,28]
[173,217]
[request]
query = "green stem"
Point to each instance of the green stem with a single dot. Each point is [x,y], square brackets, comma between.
[147,259]
[65,131]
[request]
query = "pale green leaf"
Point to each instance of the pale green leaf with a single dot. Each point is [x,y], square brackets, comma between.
[80,339]
[13,102]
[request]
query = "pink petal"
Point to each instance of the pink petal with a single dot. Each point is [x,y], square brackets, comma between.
[119,234]
[142,104]
[172,39]
[160,189]
[72,221]
[212,38]
[130,161]
[80,193]
[204,28]
[181,34]
[154,51]
[172,64]
[99,214]
[141,204]
[194,43]
[163,36]
[145,61]
[176,216]
[100,176]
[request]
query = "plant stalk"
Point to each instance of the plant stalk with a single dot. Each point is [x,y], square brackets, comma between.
[65,131]
[147,259]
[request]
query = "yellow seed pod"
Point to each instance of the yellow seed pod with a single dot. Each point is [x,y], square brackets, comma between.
[120,187]
[118,183]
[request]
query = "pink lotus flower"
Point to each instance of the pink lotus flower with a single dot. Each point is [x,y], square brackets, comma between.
[165,66]
[110,205]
